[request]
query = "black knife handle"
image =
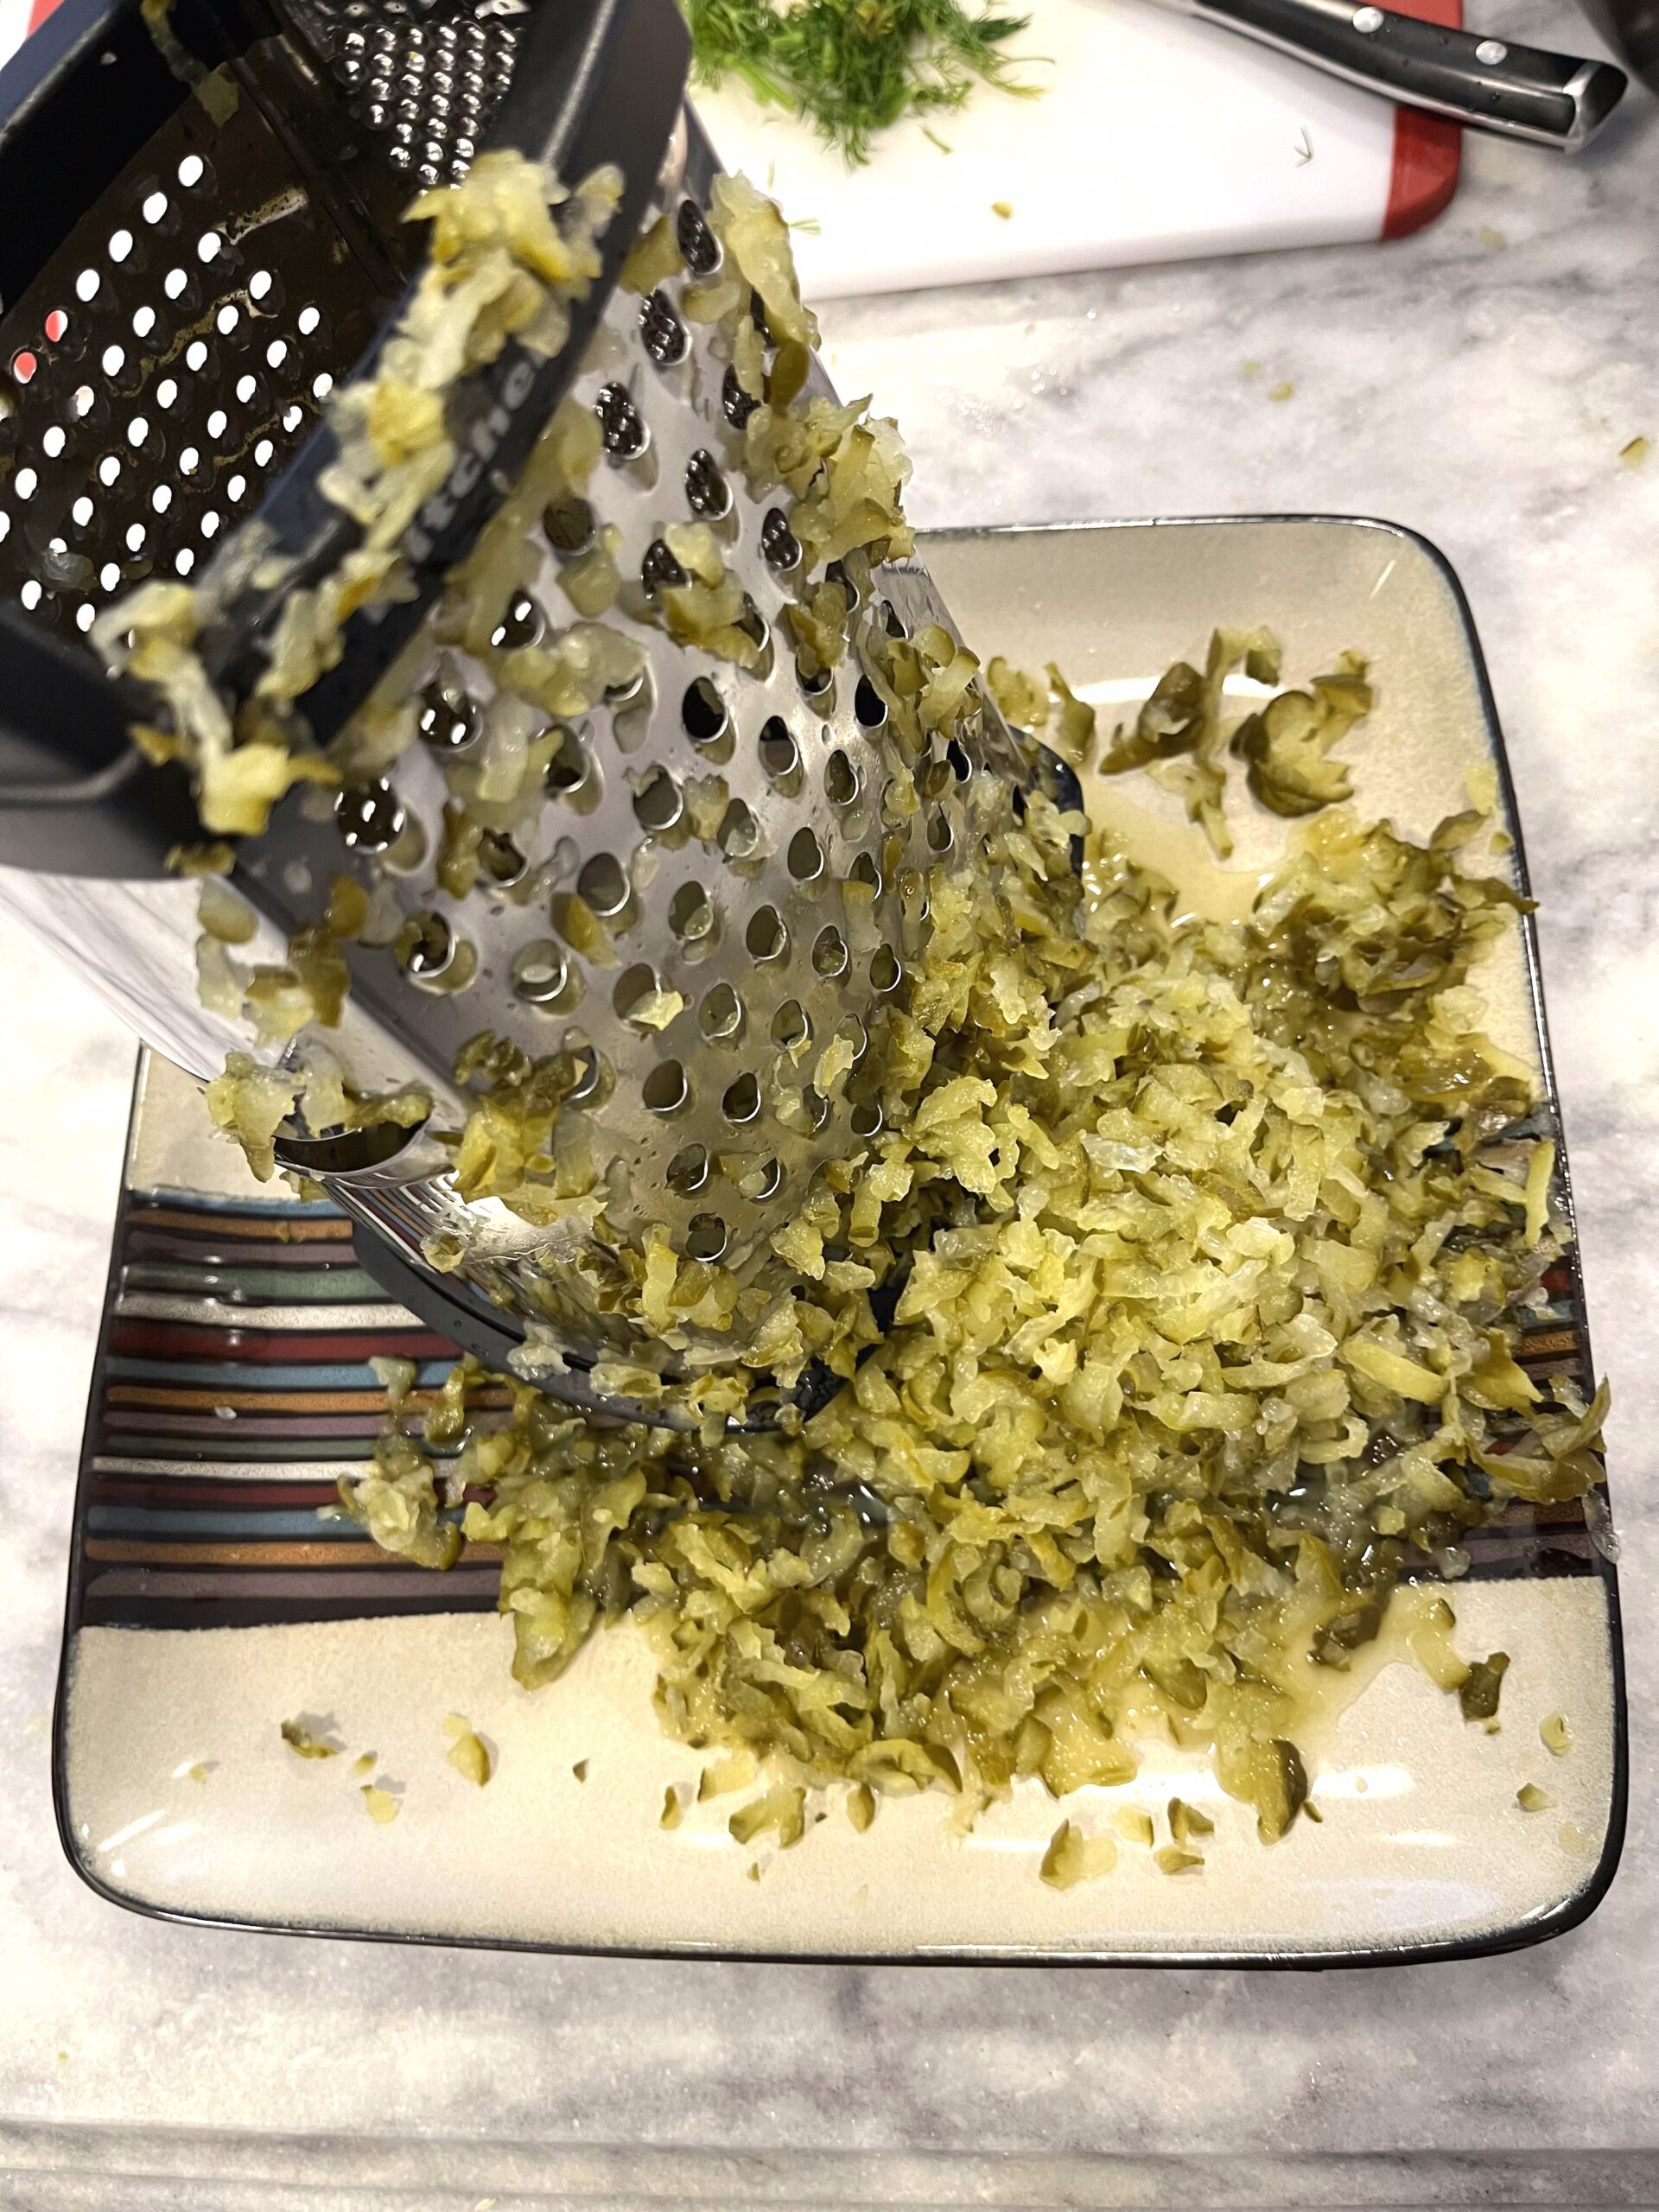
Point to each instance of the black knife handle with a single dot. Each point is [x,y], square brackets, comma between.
[1521,91]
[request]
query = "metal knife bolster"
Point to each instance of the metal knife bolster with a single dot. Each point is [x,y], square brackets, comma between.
[1521,91]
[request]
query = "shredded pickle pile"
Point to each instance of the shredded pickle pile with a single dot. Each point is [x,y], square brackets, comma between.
[1207,1246]
[1213,1239]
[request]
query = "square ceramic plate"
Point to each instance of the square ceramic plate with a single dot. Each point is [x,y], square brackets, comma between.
[208,1602]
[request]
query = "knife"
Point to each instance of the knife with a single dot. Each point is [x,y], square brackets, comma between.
[1490,84]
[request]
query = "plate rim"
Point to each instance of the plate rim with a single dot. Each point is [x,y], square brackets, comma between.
[1570,1912]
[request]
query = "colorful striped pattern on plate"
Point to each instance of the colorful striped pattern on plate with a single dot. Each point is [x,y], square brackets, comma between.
[233,1389]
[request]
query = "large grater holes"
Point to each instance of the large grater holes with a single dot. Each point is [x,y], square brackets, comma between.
[720,1016]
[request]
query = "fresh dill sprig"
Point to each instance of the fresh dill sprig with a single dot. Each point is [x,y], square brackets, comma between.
[852,67]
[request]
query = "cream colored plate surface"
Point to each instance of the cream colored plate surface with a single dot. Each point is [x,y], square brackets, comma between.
[180,1796]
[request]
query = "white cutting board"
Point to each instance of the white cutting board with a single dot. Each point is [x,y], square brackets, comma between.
[1155,138]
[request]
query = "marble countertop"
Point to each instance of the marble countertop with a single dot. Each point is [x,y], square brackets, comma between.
[1476,382]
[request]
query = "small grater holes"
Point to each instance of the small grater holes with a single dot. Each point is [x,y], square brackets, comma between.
[892,621]
[162,497]
[209,246]
[427,948]
[867,1120]
[500,860]
[227,320]
[623,429]
[818,684]
[176,284]
[659,803]
[265,453]
[522,624]
[276,352]
[540,973]
[815,1108]
[766,936]
[753,625]
[218,423]
[109,470]
[88,284]
[247,390]
[779,754]
[659,569]
[829,954]
[841,779]
[86,615]
[689,1170]
[184,561]
[864,870]
[322,385]
[120,246]
[29,595]
[190,460]
[571,767]
[935,780]
[154,208]
[693,917]
[82,512]
[792,1031]
[570,525]
[448,720]
[666,1091]
[703,713]
[805,857]
[739,834]
[23,366]
[23,484]
[308,321]
[886,974]
[143,321]
[604,885]
[236,489]
[137,431]
[706,493]
[851,1031]
[195,356]
[191,171]
[764,1183]
[661,332]
[780,546]
[940,835]
[699,248]
[706,1238]
[734,403]
[634,987]
[166,393]
[136,538]
[868,706]
[369,816]
[720,1017]
[741,1102]
[292,418]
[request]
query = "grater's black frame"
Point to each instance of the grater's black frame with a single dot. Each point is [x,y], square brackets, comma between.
[597,82]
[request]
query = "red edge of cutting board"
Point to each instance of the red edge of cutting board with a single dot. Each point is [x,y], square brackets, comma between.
[1426,147]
